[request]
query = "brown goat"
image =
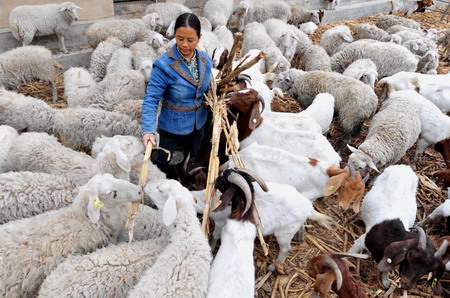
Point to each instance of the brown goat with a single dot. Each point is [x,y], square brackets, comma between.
[443,147]
[332,273]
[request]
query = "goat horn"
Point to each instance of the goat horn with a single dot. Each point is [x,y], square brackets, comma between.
[422,238]
[186,162]
[440,252]
[256,177]
[352,171]
[366,178]
[351,254]
[330,263]
[263,103]
[194,170]
[240,182]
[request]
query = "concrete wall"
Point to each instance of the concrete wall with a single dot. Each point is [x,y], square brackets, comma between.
[90,9]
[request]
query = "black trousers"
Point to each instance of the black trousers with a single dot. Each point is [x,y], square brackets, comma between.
[191,143]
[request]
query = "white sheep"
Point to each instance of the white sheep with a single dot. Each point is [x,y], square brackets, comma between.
[182,269]
[433,87]
[78,276]
[27,21]
[335,38]
[33,247]
[238,16]
[127,31]
[363,70]
[308,28]
[78,83]
[353,104]
[26,194]
[369,31]
[209,42]
[7,137]
[121,59]
[262,10]
[25,113]
[392,131]
[315,58]
[101,56]
[428,63]
[389,58]
[301,15]
[143,57]
[386,21]
[167,13]
[27,64]
[298,142]
[39,152]
[256,37]
[218,12]
[225,37]
[121,85]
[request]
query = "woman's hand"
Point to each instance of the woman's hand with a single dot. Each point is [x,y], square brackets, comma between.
[149,137]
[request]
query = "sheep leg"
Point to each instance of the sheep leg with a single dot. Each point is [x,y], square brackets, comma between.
[300,236]
[54,91]
[421,145]
[385,280]
[61,43]
[284,237]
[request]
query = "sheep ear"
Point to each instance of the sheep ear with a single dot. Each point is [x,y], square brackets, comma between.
[93,210]
[272,67]
[62,9]
[77,7]
[121,159]
[347,38]
[170,211]
[415,46]
[334,183]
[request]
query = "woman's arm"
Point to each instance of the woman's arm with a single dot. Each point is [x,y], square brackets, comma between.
[153,95]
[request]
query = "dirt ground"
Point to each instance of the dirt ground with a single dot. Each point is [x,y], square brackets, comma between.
[291,279]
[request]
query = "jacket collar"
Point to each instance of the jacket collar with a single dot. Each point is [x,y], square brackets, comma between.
[181,68]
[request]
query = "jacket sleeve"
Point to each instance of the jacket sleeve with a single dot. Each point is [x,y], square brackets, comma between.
[153,95]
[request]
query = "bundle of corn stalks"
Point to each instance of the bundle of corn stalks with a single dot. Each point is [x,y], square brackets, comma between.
[218,104]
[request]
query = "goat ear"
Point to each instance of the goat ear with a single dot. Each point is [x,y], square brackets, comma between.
[170,211]
[334,183]
[394,253]
[121,159]
[255,116]
[92,209]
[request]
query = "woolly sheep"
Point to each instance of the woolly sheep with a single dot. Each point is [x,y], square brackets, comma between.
[33,247]
[7,137]
[386,21]
[127,31]
[26,194]
[315,58]
[209,42]
[39,152]
[101,56]
[236,22]
[143,57]
[435,125]
[27,64]
[392,131]
[369,31]
[167,13]
[78,128]
[78,276]
[444,41]
[182,269]
[78,83]
[354,104]
[428,63]
[363,70]
[335,38]
[132,108]
[225,37]
[256,37]
[218,12]
[262,10]
[389,58]
[301,15]
[283,36]
[119,86]
[25,113]
[308,28]
[27,21]
[120,60]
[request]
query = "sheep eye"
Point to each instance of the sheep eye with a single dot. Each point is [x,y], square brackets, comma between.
[114,194]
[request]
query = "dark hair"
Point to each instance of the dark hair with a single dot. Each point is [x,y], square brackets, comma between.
[188,20]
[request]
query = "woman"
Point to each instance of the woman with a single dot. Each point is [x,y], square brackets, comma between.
[179,78]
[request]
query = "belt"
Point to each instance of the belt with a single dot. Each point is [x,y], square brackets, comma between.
[180,108]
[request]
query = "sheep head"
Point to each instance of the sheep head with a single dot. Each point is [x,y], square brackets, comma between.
[70,10]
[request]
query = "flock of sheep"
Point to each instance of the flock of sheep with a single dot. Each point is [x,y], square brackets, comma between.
[62,211]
